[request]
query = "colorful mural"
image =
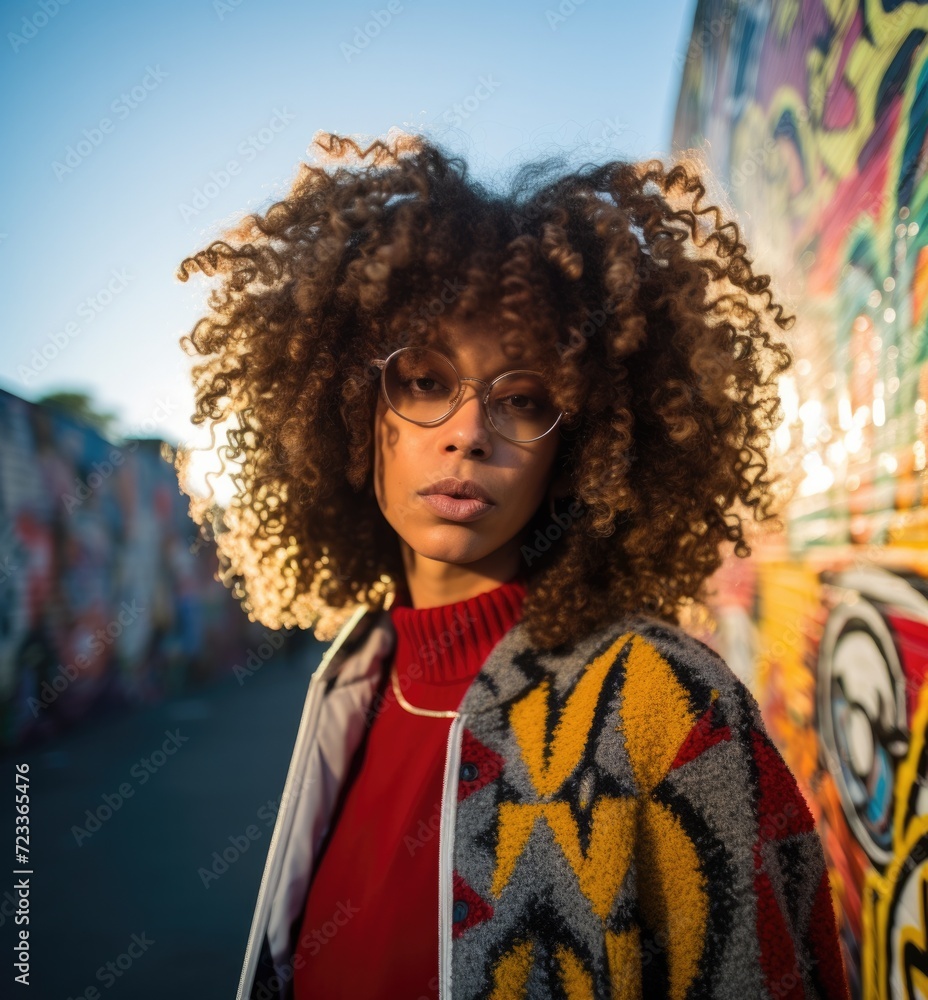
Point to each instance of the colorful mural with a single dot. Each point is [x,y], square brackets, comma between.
[813,116]
[107,593]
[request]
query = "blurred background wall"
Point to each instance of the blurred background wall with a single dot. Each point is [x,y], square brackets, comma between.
[813,118]
[107,594]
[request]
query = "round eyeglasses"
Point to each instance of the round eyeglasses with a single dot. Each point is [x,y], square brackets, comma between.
[423,386]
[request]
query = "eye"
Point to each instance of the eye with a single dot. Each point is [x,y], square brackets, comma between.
[521,392]
[423,385]
[520,401]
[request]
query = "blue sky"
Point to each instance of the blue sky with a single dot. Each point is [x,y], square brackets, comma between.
[135,132]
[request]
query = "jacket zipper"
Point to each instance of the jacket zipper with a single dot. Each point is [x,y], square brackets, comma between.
[305,733]
[445,857]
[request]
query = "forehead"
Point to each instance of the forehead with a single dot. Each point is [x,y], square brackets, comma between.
[479,344]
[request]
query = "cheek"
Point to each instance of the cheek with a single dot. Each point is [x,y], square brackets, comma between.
[536,474]
[378,472]
[390,463]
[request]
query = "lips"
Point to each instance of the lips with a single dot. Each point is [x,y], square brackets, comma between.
[464,509]
[457,500]
[458,489]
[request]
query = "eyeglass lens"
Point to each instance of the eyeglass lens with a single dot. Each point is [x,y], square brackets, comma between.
[423,386]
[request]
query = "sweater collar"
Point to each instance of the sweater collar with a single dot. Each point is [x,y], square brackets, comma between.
[367,640]
[448,643]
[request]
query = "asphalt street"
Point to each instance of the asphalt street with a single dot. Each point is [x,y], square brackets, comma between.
[149,832]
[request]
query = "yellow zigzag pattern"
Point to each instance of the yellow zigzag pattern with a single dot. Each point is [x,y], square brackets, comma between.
[655,719]
[600,872]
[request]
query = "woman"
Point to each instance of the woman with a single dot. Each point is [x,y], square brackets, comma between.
[508,433]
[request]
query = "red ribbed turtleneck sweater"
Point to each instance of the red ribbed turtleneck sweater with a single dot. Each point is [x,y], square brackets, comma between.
[370,926]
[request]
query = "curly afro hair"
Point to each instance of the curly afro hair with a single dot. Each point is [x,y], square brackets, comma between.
[657,337]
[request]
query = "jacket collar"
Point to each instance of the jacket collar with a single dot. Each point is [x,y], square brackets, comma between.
[514,666]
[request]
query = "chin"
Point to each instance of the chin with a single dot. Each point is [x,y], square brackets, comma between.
[451,544]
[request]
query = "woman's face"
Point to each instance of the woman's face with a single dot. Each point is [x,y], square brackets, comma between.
[409,458]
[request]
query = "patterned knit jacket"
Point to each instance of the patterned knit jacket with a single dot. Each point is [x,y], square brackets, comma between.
[615,823]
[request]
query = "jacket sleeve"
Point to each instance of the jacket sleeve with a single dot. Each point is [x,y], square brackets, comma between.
[794,903]
[731,881]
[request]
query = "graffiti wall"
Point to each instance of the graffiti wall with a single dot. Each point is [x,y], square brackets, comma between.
[814,118]
[107,594]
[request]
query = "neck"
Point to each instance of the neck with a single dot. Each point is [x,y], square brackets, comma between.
[432,583]
[442,648]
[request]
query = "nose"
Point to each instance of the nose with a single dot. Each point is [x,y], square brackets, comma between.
[467,428]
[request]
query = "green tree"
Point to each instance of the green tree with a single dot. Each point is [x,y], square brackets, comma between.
[81,407]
